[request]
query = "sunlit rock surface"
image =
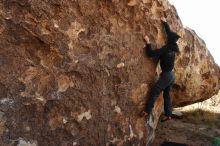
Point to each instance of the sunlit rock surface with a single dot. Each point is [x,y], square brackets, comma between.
[197,75]
[74,72]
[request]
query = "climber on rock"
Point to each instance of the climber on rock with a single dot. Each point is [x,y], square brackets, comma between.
[166,56]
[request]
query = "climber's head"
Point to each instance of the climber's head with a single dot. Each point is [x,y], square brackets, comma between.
[172,37]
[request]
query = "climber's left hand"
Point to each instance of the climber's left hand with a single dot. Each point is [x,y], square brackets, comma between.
[146,38]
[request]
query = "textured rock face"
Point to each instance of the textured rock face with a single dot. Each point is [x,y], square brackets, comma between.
[197,75]
[74,72]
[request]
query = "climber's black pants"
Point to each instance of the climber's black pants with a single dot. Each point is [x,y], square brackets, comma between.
[164,84]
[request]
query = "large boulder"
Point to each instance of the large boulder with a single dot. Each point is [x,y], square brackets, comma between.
[197,75]
[73,72]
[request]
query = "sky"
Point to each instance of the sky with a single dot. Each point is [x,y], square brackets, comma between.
[203,16]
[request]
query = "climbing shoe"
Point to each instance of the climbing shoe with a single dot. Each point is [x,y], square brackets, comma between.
[144,114]
[166,119]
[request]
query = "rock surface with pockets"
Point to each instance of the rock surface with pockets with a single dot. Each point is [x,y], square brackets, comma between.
[73,72]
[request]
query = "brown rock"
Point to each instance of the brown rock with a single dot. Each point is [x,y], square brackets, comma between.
[132,3]
[197,75]
[74,72]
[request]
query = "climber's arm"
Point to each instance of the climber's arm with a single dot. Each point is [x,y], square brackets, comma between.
[149,51]
[153,53]
[166,25]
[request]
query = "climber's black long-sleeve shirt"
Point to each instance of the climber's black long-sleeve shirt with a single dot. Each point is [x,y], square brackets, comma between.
[166,54]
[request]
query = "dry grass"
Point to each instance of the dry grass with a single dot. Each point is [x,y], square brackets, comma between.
[199,116]
[206,112]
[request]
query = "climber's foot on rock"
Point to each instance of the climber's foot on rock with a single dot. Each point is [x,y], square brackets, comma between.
[144,114]
[166,118]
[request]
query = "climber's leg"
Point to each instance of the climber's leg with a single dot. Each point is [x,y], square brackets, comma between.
[164,80]
[167,101]
[155,92]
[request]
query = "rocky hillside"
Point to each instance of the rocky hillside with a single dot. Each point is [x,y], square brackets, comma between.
[73,72]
